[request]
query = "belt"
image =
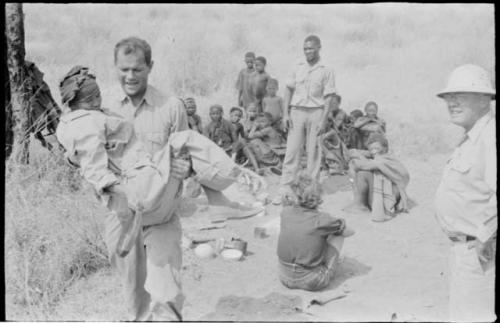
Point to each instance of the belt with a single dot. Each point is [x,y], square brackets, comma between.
[306,108]
[462,238]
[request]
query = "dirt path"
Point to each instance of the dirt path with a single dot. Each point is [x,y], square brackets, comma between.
[394,270]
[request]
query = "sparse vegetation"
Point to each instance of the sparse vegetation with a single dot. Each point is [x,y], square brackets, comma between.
[398,55]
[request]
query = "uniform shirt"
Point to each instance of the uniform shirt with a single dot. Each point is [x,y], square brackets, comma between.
[102,145]
[154,119]
[273,105]
[311,84]
[243,84]
[223,133]
[466,200]
[303,235]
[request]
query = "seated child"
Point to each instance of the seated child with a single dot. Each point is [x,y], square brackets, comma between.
[137,187]
[380,180]
[332,144]
[310,241]
[259,81]
[194,120]
[235,114]
[221,131]
[274,105]
[250,119]
[354,141]
[267,144]
[241,152]
[369,123]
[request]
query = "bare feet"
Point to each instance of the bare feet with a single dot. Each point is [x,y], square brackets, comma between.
[348,232]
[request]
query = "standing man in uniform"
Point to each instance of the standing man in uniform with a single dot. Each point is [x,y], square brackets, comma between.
[151,271]
[308,99]
[466,202]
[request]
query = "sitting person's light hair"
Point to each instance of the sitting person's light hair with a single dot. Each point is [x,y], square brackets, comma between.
[307,190]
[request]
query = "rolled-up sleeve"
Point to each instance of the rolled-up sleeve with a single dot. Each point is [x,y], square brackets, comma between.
[329,83]
[176,115]
[327,225]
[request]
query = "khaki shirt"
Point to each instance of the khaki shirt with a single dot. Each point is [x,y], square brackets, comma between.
[466,201]
[311,84]
[154,119]
[103,146]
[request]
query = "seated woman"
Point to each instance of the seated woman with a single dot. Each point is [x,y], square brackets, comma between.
[266,143]
[380,181]
[369,123]
[310,241]
[136,186]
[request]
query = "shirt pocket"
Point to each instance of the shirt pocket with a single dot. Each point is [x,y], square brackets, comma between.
[153,140]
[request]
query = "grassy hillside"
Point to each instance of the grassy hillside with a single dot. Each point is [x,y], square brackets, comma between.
[398,55]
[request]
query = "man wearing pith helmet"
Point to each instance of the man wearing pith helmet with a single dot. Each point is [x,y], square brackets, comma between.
[466,202]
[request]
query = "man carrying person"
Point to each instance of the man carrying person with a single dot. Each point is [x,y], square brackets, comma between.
[466,202]
[309,92]
[152,274]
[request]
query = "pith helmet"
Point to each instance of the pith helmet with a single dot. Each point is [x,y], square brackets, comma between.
[469,78]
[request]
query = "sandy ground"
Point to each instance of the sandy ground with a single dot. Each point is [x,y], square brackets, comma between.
[395,270]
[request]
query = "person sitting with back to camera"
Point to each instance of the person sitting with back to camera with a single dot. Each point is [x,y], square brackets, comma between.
[310,241]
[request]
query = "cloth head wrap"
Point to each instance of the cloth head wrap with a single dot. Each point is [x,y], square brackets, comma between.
[78,85]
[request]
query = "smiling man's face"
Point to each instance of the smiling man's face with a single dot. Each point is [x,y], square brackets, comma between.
[133,73]
[466,108]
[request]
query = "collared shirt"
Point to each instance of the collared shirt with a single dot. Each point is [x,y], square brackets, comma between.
[311,84]
[466,201]
[303,235]
[154,119]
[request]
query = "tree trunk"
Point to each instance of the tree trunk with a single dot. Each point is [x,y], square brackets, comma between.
[14,31]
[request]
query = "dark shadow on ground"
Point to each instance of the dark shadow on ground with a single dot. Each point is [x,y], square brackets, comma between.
[349,268]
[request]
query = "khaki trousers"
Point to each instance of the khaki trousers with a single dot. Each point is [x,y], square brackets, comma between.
[472,289]
[151,271]
[306,123]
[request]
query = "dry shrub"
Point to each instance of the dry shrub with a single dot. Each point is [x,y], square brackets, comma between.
[52,233]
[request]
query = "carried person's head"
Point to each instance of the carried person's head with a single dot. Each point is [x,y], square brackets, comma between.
[468,95]
[190,104]
[260,64]
[133,64]
[79,90]
[252,111]
[312,46]
[216,112]
[250,60]
[307,190]
[235,114]
[377,144]
[371,109]
[272,87]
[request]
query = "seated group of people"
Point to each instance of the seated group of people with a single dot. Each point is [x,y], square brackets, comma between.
[257,141]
